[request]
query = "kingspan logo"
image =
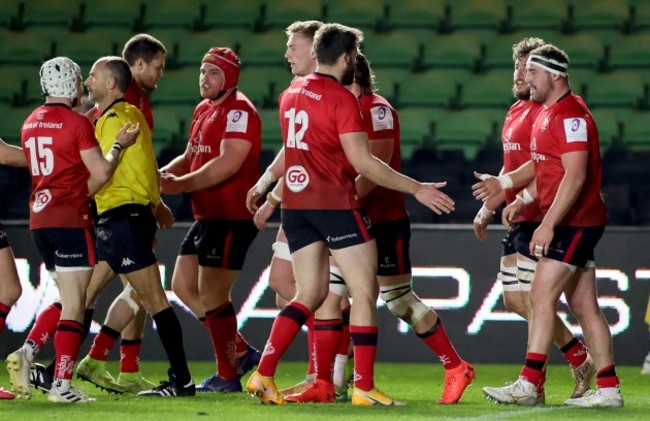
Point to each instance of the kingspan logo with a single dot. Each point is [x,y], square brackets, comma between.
[199,149]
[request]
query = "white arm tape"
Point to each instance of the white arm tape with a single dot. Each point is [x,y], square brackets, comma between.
[505,181]
[483,213]
[265,181]
[275,196]
[525,197]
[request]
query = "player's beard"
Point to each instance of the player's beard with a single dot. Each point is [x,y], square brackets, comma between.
[348,76]
[523,95]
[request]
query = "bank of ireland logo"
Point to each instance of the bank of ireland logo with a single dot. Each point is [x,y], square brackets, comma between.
[41,199]
[236,116]
[297,178]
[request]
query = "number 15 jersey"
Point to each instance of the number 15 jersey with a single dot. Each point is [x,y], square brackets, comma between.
[314,111]
[52,138]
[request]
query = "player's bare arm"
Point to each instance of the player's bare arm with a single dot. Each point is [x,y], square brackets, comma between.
[484,215]
[12,155]
[575,174]
[273,172]
[382,149]
[355,146]
[179,165]
[232,155]
[489,185]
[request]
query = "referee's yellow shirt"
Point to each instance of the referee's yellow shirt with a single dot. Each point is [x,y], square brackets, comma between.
[136,179]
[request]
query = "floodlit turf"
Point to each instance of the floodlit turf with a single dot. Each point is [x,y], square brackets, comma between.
[419,385]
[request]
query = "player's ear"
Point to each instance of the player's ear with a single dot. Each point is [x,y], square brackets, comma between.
[140,64]
[111,82]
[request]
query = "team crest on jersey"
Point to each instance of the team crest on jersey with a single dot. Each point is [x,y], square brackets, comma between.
[41,199]
[507,136]
[545,123]
[297,178]
[382,118]
[237,121]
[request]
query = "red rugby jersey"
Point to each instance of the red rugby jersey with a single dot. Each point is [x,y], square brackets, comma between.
[52,138]
[564,127]
[314,111]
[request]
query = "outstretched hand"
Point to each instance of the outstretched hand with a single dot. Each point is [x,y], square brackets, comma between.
[487,188]
[430,196]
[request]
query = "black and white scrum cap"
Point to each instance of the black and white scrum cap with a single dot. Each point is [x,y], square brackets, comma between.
[59,77]
[548,64]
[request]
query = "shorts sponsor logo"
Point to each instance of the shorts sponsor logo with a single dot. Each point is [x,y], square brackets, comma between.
[127,262]
[41,199]
[68,256]
[331,239]
[297,178]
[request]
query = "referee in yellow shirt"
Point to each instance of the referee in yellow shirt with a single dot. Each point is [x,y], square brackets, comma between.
[127,226]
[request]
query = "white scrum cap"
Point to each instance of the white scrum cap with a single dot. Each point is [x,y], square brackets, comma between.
[59,77]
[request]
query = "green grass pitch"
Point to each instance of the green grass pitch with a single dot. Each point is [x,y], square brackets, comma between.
[419,385]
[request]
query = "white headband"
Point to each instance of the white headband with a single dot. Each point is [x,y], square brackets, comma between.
[548,64]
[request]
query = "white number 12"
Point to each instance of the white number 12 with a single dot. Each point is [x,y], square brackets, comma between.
[294,139]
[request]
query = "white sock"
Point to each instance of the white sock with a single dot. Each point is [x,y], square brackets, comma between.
[62,385]
[609,391]
[339,369]
[31,349]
